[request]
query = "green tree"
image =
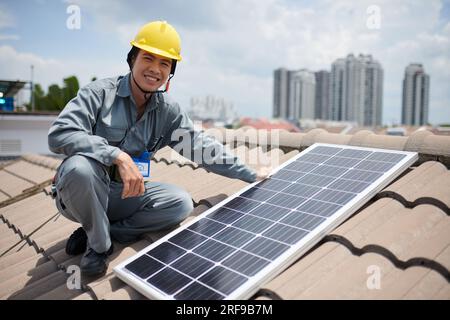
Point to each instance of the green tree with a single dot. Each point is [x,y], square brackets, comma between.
[39,97]
[56,97]
[71,87]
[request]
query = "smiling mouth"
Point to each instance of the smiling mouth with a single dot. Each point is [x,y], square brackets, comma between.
[151,79]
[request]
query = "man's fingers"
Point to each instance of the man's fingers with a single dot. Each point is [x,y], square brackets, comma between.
[134,191]
[126,188]
[142,188]
[133,183]
[137,187]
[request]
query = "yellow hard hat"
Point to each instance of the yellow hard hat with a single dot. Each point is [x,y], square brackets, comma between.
[160,38]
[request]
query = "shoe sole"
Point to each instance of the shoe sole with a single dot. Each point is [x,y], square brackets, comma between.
[97,271]
[94,271]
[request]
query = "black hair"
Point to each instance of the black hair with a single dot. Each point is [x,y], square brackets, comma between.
[131,58]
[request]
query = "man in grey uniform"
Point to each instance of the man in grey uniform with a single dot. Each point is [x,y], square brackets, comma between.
[112,120]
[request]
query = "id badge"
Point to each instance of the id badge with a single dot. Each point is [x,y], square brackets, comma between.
[143,163]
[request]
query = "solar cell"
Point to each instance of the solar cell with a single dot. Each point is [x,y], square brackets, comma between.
[231,248]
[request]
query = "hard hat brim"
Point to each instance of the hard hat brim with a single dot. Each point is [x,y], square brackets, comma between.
[157,51]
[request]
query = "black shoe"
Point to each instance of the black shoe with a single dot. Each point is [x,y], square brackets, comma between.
[94,263]
[77,242]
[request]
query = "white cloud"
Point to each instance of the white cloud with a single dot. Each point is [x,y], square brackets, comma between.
[7,20]
[17,66]
[4,37]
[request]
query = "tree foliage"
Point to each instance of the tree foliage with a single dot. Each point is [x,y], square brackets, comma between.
[56,97]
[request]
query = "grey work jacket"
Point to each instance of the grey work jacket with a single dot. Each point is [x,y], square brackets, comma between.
[101,121]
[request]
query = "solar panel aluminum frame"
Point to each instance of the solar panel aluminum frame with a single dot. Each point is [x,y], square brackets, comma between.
[283,261]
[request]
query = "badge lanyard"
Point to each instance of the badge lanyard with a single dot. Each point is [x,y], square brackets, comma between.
[143,161]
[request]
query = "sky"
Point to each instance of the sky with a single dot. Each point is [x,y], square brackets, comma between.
[230,48]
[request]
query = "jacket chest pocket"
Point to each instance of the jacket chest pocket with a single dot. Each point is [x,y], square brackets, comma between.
[114,135]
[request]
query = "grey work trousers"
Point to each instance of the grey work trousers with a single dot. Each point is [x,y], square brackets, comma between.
[86,195]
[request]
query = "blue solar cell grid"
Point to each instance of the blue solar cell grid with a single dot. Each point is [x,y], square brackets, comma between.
[217,254]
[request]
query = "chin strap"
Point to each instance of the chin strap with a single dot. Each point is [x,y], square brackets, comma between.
[146,93]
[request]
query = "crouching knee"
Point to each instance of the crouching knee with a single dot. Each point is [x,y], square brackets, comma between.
[185,206]
[82,169]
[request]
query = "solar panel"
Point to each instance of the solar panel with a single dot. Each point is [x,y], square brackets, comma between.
[230,250]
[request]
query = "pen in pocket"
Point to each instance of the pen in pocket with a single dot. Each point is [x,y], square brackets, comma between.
[156,144]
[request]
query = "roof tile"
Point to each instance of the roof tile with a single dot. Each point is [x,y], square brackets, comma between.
[28,171]
[413,283]
[38,287]
[57,253]
[8,238]
[333,138]
[416,141]
[428,183]
[61,292]
[443,293]
[436,145]
[41,207]
[124,293]
[85,296]
[22,267]
[406,233]
[16,254]
[291,140]
[11,185]
[107,284]
[430,286]
[49,162]
[51,232]
[3,196]
[30,283]
[35,204]
[169,155]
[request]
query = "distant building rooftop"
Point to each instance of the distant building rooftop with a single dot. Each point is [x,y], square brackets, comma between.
[265,124]
[10,88]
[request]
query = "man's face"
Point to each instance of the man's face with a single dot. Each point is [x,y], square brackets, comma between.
[151,71]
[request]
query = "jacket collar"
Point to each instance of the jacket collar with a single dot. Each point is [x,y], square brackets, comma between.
[124,91]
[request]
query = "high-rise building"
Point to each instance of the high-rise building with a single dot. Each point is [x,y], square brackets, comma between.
[357,90]
[302,95]
[322,108]
[416,88]
[337,89]
[281,93]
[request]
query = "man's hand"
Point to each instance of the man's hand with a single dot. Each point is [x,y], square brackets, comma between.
[263,173]
[133,182]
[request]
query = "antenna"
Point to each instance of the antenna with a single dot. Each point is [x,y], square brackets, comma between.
[32,89]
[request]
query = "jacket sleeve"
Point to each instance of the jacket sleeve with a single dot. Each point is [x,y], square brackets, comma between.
[72,132]
[203,149]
